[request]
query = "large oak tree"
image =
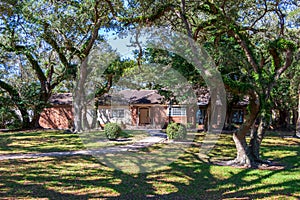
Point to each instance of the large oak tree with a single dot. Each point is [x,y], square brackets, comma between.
[51,39]
[257,33]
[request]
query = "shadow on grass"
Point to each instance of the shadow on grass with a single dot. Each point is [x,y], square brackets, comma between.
[84,177]
[38,142]
[188,178]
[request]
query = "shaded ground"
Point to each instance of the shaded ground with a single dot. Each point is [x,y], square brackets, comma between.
[84,177]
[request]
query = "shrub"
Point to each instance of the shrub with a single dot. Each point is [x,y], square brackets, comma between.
[176,131]
[112,131]
[9,119]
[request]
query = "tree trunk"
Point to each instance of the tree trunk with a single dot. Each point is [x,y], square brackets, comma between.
[207,117]
[243,157]
[16,99]
[283,119]
[25,117]
[298,120]
[80,96]
[295,117]
[256,137]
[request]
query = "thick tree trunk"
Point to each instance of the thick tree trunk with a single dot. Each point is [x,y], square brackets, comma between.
[256,137]
[35,120]
[283,119]
[80,96]
[25,118]
[244,158]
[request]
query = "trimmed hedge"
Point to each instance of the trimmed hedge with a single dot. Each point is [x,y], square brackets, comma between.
[176,131]
[112,131]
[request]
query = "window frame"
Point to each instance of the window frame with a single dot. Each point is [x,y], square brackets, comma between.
[182,112]
[201,115]
[120,113]
[239,118]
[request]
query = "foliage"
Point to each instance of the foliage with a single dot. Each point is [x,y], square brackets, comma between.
[8,117]
[176,131]
[50,40]
[252,43]
[112,130]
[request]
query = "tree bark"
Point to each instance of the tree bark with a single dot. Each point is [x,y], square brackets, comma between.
[298,120]
[283,119]
[244,158]
[256,137]
[207,117]
[78,102]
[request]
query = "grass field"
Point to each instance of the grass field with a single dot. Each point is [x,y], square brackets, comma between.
[189,177]
[52,141]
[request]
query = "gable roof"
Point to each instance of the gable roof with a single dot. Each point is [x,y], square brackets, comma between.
[129,97]
[123,97]
[61,99]
[133,97]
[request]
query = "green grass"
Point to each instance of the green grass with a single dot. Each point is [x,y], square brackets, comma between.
[52,141]
[38,141]
[96,140]
[189,177]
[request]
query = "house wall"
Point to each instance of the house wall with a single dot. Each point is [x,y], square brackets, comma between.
[189,119]
[134,115]
[105,115]
[58,117]
[158,115]
[61,117]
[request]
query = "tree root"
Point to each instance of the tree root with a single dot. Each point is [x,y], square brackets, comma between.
[259,164]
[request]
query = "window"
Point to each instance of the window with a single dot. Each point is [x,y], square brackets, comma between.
[237,116]
[178,111]
[118,113]
[201,116]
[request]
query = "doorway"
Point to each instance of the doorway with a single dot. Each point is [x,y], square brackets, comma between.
[144,116]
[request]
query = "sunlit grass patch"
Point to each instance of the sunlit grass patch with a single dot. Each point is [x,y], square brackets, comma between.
[188,177]
[39,141]
[54,141]
[98,139]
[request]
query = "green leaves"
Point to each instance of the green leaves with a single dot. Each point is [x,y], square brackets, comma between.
[282,44]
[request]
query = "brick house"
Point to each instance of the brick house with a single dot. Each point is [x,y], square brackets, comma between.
[135,109]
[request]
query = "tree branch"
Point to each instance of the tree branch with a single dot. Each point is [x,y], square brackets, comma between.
[90,42]
[245,48]
[147,19]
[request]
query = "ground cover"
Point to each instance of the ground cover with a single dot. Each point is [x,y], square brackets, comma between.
[190,177]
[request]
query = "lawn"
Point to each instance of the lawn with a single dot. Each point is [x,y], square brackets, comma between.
[53,141]
[189,177]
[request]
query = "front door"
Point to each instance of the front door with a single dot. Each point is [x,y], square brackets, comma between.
[144,116]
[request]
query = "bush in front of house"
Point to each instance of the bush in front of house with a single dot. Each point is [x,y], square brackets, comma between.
[176,131]
[112,131]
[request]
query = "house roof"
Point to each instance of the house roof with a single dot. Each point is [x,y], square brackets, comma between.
[133,97]
[120,97]
[61,99]
[127,97]
[203,96]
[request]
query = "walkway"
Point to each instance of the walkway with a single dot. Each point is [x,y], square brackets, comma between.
[155,137]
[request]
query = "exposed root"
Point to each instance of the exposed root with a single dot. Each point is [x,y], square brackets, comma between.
[262,164]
